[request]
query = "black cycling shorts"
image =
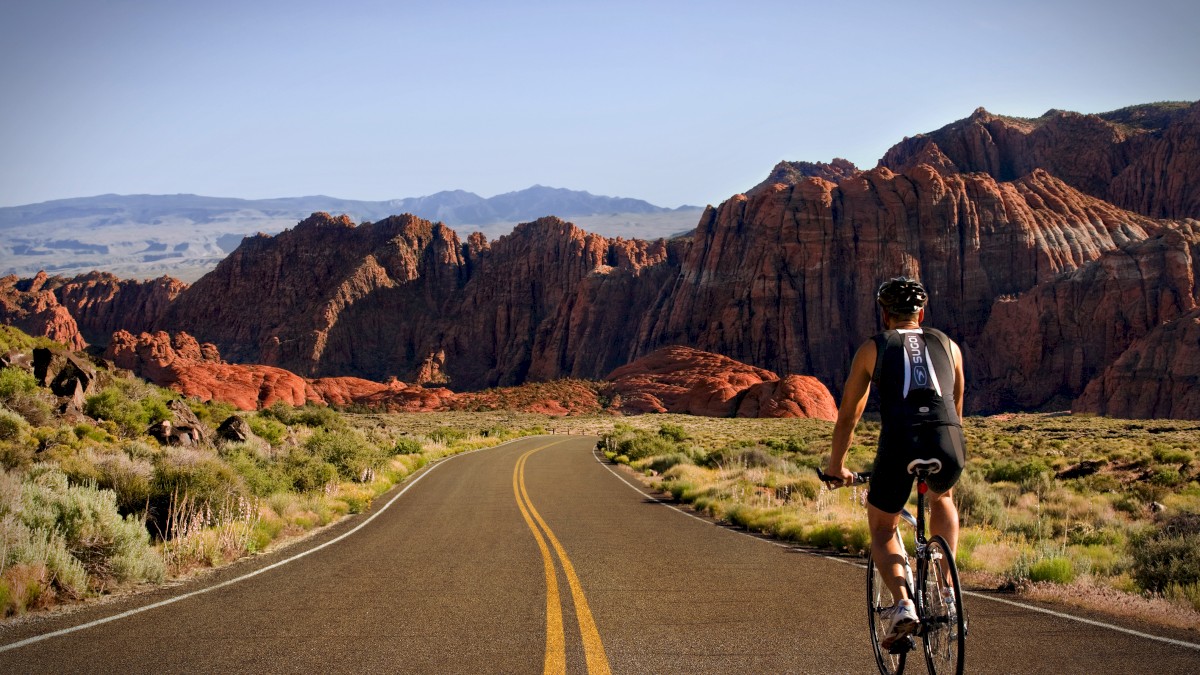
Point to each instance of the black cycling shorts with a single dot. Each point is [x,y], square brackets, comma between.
[891,483]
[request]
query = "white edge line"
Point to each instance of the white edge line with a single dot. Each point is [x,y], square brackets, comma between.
[230,582]
[973,594]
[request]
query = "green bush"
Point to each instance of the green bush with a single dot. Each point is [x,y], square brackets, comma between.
[407,446]
[309,415]
[16,382]
[1168,554]
[673,432]
[643,444]
[1017,472]
[268,428]
[203,478]
[1056,569]
[19,392]
[13,427]
[447,435]
[109,547]
[130,479]
[307,472]
[978,503]
[660,463]
[111,404]
[263,477]
[354,457]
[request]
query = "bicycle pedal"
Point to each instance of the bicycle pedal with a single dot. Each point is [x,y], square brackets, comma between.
[903,646]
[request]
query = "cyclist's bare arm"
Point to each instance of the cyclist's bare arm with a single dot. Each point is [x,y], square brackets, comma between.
[854,400]
[959,380]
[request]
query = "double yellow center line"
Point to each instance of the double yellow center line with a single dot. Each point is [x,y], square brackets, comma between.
[556,649]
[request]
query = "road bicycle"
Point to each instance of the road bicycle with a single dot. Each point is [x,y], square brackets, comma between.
[936,591]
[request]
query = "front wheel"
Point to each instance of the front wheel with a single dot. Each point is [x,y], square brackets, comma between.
[940,606]
[879,599]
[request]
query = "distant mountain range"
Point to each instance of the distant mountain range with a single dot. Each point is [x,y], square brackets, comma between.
[186,235]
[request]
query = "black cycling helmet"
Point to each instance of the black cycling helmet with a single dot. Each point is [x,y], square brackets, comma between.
[901,296]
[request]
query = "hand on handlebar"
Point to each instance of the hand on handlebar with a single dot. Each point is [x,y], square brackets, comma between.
[837,477]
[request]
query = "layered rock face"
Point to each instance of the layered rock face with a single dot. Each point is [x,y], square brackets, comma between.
[787,277]
[1158,376]
[102,304]
[33,308]
[1047,345]
[1144,159]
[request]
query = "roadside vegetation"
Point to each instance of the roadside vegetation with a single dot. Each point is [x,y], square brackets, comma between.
[1047,500]
[91,503]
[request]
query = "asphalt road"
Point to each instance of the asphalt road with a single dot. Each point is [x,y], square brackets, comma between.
[531,557]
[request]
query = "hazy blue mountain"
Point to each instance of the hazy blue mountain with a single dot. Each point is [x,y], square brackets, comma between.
[186,235]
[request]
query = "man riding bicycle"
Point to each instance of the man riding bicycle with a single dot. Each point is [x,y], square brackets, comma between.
[918,376]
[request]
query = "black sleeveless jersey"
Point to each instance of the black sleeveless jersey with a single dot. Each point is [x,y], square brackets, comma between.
[914,380]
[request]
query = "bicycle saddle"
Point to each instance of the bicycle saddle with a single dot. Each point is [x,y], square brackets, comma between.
[927,466]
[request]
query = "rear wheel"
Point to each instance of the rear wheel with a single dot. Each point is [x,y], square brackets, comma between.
[878,600]
[940,606]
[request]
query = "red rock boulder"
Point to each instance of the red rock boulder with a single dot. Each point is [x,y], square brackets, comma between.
[686,380]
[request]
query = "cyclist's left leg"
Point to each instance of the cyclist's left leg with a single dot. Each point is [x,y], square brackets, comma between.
[886,552]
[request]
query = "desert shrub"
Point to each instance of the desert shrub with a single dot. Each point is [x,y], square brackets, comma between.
[673,432]
[754,456]
[447,435]
[13,427]
[1168,554]
[263,477]
[1165,454]
[211,412]
[111,404]
[660,463]
[131,480]
[16,382]
[19,392]
[200,476]
[643,444]
[348,451]
[307,472]
[791,445]
[978,503]
[407,446]
[1056,569]
[309,415]
[317,417]
[1017,472]
[111,548]
[268,428]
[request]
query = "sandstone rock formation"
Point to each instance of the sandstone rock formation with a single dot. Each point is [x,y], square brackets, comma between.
[1143,158]
[33,308]
[103,304]
[1157,376]
[685,380]
[1044,347]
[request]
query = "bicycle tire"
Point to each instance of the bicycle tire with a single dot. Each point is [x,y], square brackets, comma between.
[943,632]
[878,600]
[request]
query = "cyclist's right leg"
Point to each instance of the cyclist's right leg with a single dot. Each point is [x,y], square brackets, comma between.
[886,552]
[943,517]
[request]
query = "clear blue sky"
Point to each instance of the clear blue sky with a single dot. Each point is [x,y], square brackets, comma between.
[672,102]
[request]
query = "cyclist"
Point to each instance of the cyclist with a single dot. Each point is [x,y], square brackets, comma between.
[918,376]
